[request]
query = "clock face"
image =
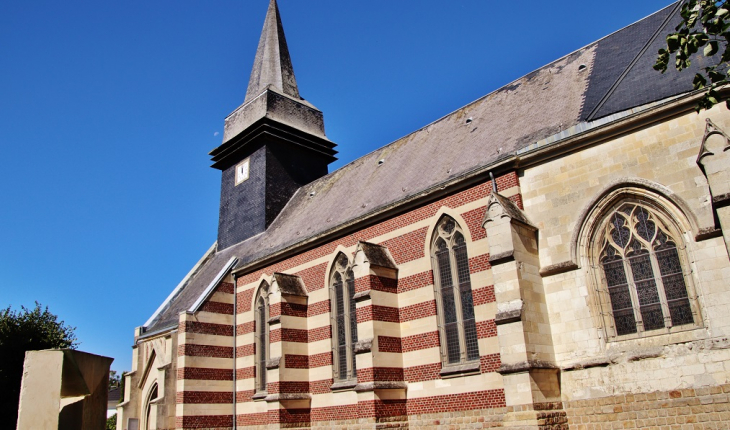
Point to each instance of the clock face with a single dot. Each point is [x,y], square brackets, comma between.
[242,171]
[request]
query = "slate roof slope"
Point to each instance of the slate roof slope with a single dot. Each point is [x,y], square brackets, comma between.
[534,107]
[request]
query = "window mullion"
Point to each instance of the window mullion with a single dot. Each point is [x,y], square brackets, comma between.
[456,287]
[660,289]
[634,295]
[439,309]
[348,329]
[334,328]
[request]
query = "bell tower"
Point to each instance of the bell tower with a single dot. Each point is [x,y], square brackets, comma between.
[273,144]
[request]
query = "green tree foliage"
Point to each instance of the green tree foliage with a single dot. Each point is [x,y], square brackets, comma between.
[111,422]
[705,25]
[21,331]
[115,379]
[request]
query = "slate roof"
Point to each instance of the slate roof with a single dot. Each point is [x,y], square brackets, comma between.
[608,76]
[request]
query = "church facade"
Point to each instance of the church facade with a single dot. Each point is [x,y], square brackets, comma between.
[553,255]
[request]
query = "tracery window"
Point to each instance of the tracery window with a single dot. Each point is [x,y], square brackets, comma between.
[344,320]
[452,280]
[644,277]
[261,336]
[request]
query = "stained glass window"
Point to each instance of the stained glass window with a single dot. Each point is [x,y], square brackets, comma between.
[261,337]
[344,323]
[453,286]
[642,272]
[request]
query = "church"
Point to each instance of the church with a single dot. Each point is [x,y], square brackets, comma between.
[554,255]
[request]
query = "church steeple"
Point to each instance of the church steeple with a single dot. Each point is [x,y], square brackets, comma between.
[272,65]
[273,144]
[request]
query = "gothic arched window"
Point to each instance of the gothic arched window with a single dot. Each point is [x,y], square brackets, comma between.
[150,419]
[344,320]
[261,336]
[645,283]
[452,280]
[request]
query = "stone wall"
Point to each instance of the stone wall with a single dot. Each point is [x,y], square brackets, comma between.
[706,408]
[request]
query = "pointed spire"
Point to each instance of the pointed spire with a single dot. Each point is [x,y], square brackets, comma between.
[272,65]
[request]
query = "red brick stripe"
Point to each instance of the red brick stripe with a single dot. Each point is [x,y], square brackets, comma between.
[288,335]
[426,372]
[319,333]
[205,328]
[417,311]
[203,421]
[486,329]
[382,408]
[321,387]
[517,199]
[288,309]
[408,343]
[479,263]
[391,314]
[287,387]
[245,350]
[290,417]
[225,287]
[192,350]
[474,220]
[314,277]
[319,360]
[294,310]
[207,397]
[246,373]
[420,341]
[244,396]
[332,413]
[371,374]
[318,308]
[407,247]
[244,300]
[294,361]
[245,328]
[457,402]
[376,283]
[414,282]
[483,295]
[204,374]
[490,363]
[217,308]
[389,344]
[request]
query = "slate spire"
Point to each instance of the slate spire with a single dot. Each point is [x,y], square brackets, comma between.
[272,65]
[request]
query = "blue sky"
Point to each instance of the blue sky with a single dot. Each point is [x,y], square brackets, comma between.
[108,111]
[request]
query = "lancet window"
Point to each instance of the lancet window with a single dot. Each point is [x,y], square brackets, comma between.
[344,320]
[261,336]
[452,279]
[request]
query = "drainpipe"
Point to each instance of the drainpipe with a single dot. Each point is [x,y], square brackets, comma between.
[235,329]
[494,183]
